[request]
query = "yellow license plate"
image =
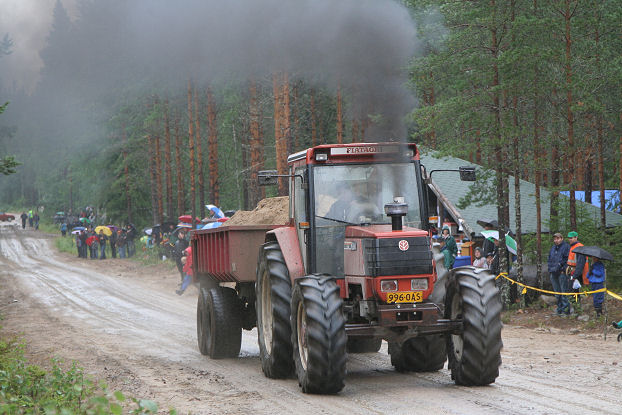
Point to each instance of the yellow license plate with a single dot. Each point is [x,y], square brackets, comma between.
[405,297]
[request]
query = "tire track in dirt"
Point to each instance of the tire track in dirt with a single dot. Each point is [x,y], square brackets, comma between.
[134,331]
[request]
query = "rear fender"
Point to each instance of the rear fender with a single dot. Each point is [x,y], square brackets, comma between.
[287,238]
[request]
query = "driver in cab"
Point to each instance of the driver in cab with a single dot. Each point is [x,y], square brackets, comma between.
[353,205]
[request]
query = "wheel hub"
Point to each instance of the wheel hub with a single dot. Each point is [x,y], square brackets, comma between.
[301,328]
[457,339]
[266,312]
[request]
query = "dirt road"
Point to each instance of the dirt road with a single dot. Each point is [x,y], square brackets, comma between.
[125,325]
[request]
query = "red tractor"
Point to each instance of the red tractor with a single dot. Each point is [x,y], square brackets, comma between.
[354,265]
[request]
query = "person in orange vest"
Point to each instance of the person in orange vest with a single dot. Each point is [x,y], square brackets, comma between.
[576,269]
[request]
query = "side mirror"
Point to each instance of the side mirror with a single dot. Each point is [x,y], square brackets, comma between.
[267,177]
[467,173]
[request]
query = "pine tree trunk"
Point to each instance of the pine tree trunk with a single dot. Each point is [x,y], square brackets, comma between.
[537,176]
[193,195]
[181,193]
[339,117]
[355,131]
[212,146]
[158,167]
[296,127]
[432,102]
[158,177]
[152,179]
[620,169]
[500,162]
[197,129]
[280,139]
[167,162]
[554,212]
[313,120]
[256,192]
[287,127]
[601,173]
[572,157]
[517,200]
[126,173]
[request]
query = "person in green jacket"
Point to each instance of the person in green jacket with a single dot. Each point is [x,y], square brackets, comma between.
[448,247]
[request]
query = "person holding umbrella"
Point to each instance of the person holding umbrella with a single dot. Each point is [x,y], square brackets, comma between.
[596,276]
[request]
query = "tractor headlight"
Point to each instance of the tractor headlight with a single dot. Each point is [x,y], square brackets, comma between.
[388,285]
[419,284]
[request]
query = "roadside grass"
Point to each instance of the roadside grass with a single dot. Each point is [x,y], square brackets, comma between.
[30,389]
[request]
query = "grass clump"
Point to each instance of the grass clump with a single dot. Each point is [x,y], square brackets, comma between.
[29,389]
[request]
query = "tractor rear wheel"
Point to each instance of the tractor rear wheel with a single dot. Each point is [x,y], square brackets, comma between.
[318,334]
[363,345]
[419,354]
[475,353]
[219,327]
[273,295]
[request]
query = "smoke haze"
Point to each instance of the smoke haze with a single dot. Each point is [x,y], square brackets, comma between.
[361,45]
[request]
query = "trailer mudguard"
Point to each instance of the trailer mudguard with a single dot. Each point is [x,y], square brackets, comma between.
[287,238]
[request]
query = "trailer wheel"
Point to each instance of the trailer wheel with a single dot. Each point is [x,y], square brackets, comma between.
[318,335]
[363,345]
[475,353]
[419,354]
[273,292]
[219,326]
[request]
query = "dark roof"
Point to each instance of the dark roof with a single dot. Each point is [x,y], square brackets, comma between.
[449,185]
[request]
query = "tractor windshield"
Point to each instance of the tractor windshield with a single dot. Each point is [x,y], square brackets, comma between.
[356,194]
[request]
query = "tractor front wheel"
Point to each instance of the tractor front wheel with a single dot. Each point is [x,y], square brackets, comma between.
[474,353]
[273,295]
[318,334]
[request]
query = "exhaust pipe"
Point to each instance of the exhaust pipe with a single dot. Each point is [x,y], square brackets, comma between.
[396,211]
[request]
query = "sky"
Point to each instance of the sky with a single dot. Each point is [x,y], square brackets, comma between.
[27,22]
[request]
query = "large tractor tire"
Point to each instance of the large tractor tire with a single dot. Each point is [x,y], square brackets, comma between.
[219,326]
[475,353]
[363,345]
[273,291]
[318,335]
[419,354]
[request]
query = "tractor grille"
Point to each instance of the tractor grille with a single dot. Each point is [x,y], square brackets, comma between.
[384,257]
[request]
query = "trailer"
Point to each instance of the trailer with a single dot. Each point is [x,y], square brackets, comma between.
[352,265]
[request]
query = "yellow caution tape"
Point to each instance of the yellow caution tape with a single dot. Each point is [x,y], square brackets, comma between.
[576,295]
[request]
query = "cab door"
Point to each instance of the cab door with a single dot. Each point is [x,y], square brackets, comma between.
[299,209]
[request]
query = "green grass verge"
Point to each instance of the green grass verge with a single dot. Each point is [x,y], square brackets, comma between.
[29,389]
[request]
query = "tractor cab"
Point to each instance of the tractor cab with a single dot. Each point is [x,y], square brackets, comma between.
[335,189]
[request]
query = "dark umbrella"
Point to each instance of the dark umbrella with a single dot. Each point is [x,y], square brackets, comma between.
[485,222]
[594,251]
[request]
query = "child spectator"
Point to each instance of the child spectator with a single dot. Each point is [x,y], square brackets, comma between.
[479,261]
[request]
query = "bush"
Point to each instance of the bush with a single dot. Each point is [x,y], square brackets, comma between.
[29,389]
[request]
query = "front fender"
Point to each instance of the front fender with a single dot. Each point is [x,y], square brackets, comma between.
[287,237]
